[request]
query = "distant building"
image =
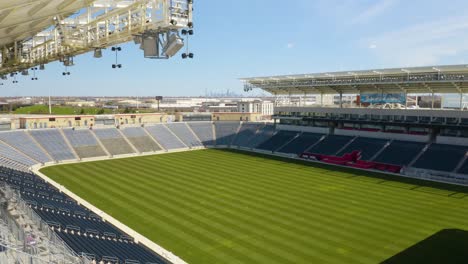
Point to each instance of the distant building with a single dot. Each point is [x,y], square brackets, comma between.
[265,108]
[81,103]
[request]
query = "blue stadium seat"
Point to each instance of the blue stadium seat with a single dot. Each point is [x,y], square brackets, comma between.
[400,153]
[441,157]
[367,146]
[330,145]
[301,143]
[277,141]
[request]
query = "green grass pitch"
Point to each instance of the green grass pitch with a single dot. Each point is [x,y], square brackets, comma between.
[214,206]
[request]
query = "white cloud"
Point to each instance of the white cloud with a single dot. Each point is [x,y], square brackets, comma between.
[422,44]
[290,45]
[372,46]
[373,11]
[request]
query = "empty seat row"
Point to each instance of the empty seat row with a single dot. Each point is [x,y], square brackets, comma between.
[277,140]
[246,132]
[226,132]
[23,142]
[54,143]
[441,157]
[183,132]
[90,234]
[167,139]
[368,147]
[102,247]
[204,131]
[300,144]
[140,139]
[84,143]
[113,141]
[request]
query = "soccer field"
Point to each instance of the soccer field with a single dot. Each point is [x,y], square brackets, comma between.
[214,206]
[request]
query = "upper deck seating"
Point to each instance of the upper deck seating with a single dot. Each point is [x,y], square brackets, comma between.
[204,131]
[54,143]
[113,141]
[165,137]
[300,144]
[140,139]
[84,143]
[182,131]
[23,142]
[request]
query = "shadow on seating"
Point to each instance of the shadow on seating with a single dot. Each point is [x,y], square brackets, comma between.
[448,246]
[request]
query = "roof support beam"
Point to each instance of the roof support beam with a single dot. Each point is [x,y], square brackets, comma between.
[428,87]
[457,87]
[33,11]
[5,14]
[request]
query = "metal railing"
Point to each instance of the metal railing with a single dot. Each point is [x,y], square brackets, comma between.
[58,251]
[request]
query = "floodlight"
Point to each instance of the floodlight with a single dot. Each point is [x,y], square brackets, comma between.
[137,39]
[98,53]
[173,44]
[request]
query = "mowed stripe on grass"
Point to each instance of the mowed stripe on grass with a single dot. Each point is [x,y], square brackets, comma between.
[214,206]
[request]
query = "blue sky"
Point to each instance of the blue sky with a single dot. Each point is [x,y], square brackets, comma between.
[246,38]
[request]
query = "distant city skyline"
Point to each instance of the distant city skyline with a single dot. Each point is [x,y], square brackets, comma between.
[257,38]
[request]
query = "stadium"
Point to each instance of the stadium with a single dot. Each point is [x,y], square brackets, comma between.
[374,179]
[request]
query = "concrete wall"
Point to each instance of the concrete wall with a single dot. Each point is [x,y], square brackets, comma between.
[56,121]
[253,117]
[363,111]
[404,137]
[452,141]
[344,132]
[139,119]
[318,130]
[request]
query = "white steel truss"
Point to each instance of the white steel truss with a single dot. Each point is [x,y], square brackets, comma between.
[93,25]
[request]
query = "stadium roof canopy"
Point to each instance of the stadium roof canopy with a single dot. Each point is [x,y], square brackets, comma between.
[431,79]
[35,32]
[20,19]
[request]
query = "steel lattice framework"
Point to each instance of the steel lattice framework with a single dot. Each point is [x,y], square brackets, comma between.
[35,32]
[433,79]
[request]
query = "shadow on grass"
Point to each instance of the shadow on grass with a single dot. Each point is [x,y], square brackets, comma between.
[448,246]
[454,191]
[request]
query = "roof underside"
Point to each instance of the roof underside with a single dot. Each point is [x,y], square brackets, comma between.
[433,79]
[22,19]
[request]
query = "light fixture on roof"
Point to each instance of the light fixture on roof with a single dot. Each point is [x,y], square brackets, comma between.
[97,53]
[42,67]
[25,73]
[137,39]
[116,50]
[173,44]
